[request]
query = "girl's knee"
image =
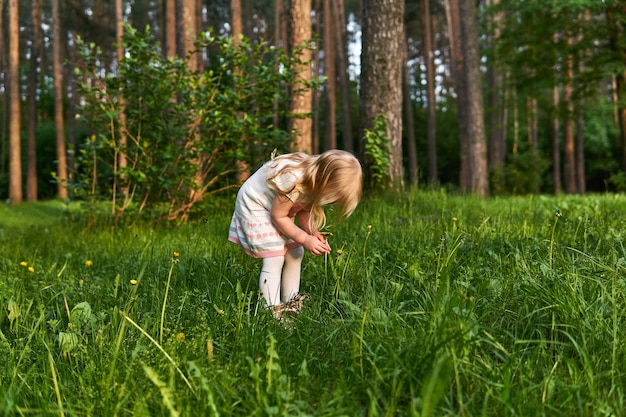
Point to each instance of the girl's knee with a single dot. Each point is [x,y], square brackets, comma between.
[296,253]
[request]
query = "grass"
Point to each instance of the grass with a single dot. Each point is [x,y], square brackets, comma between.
[429,305]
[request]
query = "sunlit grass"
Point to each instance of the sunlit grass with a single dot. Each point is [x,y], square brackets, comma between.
[428,305]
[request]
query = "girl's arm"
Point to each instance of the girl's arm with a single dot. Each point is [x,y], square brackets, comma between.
[280,215]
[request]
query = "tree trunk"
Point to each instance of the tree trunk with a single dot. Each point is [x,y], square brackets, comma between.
[497,110]
[31,173]
[429,56]
[457,65]
[479,182]
[190,30]
[119,33]
[381,75]
[315,93]
[5,108]
[408,115]
[58,103]
[330,134]
[170,28]
[301,103]
[556,142]
[569,165]
[342,71]
[15,162]
[235,21]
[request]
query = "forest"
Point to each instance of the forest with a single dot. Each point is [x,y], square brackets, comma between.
[149,101]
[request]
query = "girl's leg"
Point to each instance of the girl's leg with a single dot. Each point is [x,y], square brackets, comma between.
[269,281]
[291,273]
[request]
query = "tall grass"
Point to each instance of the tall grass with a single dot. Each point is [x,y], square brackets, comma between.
[429,305]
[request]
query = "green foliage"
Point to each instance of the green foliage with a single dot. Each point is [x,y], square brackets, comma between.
[378,150]
[466,307]
[525,172]
[187,132]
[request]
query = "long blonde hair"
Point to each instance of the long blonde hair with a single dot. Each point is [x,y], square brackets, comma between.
[333,177]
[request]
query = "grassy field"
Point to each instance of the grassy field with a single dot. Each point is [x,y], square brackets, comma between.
[430,305]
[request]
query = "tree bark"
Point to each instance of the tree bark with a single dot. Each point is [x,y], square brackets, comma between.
[569,165]
[119,34]
[342,71]
[497,111]
[479,182]
[408,115]
[170,28]
[58,103]
[330,134]
[15,162]
[381,76]
[433,177]
[556,142]
[457,64]
[301,100]
[31,172]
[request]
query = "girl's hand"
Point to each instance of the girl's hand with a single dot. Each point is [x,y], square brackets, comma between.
[315,245]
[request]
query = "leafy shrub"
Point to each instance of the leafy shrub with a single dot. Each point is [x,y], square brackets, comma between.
[378,150]
[187,133]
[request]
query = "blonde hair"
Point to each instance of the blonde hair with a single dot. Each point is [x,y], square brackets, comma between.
[333,177]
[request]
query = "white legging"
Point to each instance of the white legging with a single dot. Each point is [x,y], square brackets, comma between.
[281,271]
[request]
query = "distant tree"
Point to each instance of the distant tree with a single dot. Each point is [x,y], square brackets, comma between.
[169,34]
[61,174]
[342,74]
[301,107]
[477,146]
[31,172]
[15,164]
[330,134]
[429,57]
[381,76]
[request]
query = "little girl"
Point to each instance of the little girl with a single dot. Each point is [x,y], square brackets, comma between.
[292,186]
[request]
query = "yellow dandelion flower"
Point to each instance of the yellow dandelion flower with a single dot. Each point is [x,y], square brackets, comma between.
[339,251]
[133,282]
[24,263]
[31,269]
[369,227]
[180,337]
[175,255]
[88,263]
[454,219]
[220,311]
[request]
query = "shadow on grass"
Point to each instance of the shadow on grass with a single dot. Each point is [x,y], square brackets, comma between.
[34,214]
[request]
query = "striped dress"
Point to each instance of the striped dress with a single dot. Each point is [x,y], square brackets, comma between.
[251,226]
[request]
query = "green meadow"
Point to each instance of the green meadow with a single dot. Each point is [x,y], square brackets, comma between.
[429,305]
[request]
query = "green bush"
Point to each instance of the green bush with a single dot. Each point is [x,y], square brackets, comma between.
[187,133]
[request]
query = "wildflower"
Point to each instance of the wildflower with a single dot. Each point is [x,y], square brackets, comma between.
[88,263]
[31,269]
[175,256]
[133,282]
[369,227]
[326,234]
[454,219]
[220,311]
[339,251]
[24,263]
[81,282]
[180,337]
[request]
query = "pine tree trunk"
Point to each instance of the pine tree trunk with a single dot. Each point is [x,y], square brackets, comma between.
[433,177]
[15,161]
[411,146]
[301,102]
[457,65]
[381,75]
[58,103]
[330,134]
[556,142]
[342,72]
[569,165]
[31,172]
[479,183]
